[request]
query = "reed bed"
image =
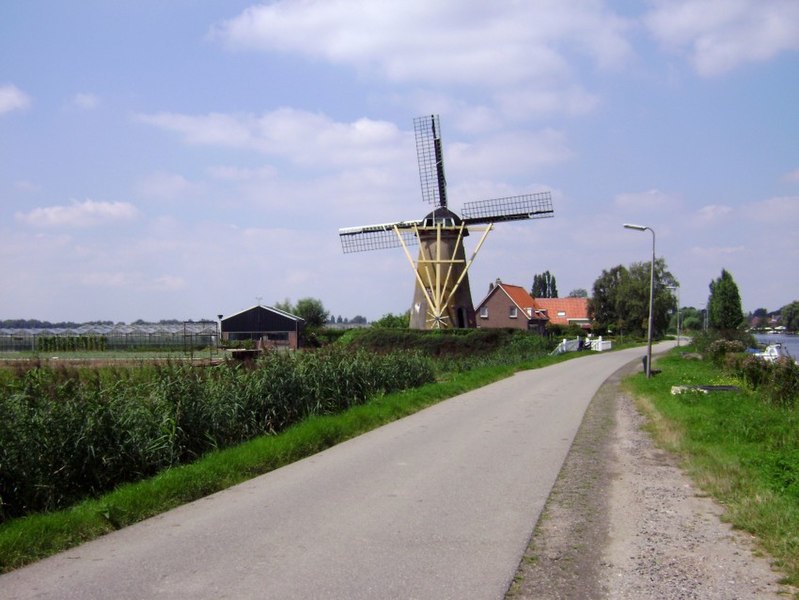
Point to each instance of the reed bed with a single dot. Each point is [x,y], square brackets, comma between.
[72,433]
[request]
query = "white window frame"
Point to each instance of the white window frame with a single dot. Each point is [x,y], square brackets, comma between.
[513,313]
[483,312]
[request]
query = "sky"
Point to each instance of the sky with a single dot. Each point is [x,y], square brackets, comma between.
[190,158]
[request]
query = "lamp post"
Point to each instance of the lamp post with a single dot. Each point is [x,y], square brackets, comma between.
[651,296]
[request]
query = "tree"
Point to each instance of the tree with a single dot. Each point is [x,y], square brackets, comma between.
[544,286]
[692,319]
[578,293]
[789,316]
[724,304]
[285,306]
[312,310]
[603,305]
[392,321]
[758,318]
[620,298]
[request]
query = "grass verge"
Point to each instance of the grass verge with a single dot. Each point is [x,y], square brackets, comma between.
[34,537]
[737,447]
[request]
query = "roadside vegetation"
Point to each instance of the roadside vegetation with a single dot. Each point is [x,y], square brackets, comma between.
[85,450]
[740,446]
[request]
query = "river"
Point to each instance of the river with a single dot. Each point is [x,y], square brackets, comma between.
[790,342]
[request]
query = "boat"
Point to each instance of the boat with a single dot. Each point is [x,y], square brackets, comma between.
[774,352]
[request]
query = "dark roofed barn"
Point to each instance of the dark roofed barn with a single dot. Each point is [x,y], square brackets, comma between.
[265,325]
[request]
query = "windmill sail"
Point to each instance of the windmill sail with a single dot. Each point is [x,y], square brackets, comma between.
[514,208]
[378,237]
[431,160]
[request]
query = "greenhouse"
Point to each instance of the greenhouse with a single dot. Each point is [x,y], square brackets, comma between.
[191,335]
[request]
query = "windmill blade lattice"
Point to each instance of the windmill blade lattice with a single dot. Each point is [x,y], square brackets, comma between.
[378,237]
[514,208]
[431,160]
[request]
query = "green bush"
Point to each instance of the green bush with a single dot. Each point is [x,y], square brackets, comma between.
[782,387]
[777,381]
[719,349]
[451,344]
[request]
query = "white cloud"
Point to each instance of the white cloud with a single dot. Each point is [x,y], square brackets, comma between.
[79,214]
[571,100]
[24,185]
[716,252]
[449,41]
[131,280]
[111,280]
[793,176]
[778,210]
[167,283]
[86,101]
[12,98]
[720,36]
[233,173]
[507,153]
[712,212]
[302,137]
[168,186]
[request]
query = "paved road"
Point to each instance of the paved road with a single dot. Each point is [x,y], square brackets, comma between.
[438,505]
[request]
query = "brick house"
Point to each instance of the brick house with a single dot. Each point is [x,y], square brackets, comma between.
[511,306]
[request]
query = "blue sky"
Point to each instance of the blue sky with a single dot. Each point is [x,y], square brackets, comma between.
[184,159]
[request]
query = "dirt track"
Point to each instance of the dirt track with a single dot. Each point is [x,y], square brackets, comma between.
[624,522]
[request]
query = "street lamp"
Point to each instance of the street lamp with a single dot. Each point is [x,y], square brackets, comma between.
[651,296]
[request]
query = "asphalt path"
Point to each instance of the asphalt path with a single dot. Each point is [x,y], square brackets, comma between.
[438,505]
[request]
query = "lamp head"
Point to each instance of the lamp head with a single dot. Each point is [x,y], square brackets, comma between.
[636,227]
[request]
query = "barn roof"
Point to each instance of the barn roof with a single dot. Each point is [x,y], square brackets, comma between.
[282,313]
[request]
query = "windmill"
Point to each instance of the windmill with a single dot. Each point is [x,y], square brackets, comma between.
[442,298]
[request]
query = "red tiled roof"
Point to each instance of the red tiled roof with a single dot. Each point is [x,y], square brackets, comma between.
[519,295]
[574,308]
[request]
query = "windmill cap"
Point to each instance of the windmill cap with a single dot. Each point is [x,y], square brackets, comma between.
[444,216]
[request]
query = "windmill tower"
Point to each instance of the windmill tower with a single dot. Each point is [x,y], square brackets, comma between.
[442,298]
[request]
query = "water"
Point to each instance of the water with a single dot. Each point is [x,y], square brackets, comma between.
[790,342]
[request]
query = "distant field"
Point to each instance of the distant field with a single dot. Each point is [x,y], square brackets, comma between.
[115,356]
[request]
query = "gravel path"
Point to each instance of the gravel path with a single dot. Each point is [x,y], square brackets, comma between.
[624,522]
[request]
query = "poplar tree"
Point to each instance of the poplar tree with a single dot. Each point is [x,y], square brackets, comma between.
[544,286]
[724,305]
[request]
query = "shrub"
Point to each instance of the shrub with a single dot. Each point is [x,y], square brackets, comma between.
[754,371]
[718,350]
[782,386]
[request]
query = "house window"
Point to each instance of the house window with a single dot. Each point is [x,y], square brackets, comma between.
[561,313]
[483,312]
[512,312]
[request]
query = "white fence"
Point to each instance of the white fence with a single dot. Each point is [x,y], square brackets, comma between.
[597,345]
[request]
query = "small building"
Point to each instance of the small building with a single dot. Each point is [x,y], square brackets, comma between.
[265,325]
[509,307]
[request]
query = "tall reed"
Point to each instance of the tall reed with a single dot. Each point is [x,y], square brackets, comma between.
[71,433]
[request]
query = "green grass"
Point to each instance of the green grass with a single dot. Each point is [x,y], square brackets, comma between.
[736,446]
[36,536]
